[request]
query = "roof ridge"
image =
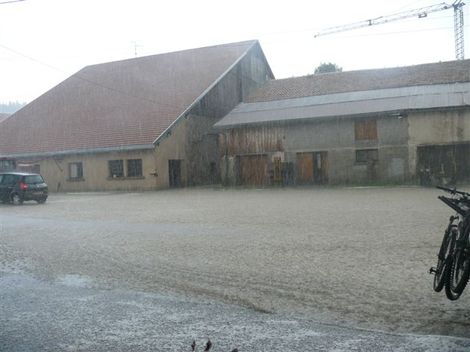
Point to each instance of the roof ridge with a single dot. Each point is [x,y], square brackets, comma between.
[241,43]
[372,69]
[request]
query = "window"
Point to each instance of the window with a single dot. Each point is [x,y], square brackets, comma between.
[75,171]
[365,129]
[33,179]
[134,168]
[9,179]
[367,156]
[7,164]
[116,168]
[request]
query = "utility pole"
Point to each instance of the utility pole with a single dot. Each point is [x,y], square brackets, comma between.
[135,47]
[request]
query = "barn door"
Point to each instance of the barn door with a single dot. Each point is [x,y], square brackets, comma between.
[312,168]
[253,170]
[304,168]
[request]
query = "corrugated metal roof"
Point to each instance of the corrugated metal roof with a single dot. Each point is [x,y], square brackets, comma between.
[123,103]
[350,104]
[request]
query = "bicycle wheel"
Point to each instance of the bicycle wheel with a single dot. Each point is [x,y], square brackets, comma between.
[450,293]
[441,268]
[460,271]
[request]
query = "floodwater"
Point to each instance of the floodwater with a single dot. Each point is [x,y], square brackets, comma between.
[345,257]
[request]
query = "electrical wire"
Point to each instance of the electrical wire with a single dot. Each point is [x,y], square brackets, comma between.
[10,1]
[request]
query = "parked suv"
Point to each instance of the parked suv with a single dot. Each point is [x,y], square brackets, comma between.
[17,187]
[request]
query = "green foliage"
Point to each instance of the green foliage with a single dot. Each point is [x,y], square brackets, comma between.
[326,67]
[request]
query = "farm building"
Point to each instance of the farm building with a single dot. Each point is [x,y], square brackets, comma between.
[143,123]
[408,124]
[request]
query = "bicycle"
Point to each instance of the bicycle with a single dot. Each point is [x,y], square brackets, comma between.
[453,264]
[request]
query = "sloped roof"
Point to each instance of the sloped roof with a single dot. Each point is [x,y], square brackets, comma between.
[391,100]
[116,104]
[363,80]
[3,116]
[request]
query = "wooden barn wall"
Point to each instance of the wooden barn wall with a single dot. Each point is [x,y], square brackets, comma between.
[251,140]
[201,141]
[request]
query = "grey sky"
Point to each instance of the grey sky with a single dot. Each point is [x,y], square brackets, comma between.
[42,42]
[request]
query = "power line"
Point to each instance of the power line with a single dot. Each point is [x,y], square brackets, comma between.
[10,1]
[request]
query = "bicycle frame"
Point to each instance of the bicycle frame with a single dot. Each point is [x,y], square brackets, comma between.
[458,247]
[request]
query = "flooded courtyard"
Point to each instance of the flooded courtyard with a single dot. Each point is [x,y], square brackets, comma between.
[353,258]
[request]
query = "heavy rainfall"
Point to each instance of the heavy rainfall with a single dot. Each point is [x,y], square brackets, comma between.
[184,197]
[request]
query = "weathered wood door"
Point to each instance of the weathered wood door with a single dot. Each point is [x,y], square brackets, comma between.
[304,168]
[312,168]
[253,170]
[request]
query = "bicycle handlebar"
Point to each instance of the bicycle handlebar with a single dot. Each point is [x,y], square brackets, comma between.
[453,191]
[453,203]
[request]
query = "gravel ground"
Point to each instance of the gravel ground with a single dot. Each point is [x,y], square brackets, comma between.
[350,257]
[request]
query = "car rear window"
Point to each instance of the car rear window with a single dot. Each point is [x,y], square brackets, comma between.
[9,179]
[33,179]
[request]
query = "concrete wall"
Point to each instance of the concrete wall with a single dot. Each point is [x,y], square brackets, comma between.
[436,128]
[336,136]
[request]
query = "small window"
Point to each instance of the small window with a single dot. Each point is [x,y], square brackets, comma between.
[134,168]
[365,156]
[116,168]
[76,171]
[365,129]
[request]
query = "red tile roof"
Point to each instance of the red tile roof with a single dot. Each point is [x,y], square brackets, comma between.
[363,80]
[123,103]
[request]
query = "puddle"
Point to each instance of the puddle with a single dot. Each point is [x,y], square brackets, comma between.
[74,281]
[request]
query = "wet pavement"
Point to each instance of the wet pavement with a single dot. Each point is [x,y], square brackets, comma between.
[341,269]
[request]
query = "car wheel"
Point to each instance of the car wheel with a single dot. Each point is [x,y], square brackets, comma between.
[16,199]
[41,200]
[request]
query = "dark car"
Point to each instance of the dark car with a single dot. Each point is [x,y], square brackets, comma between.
[17,187]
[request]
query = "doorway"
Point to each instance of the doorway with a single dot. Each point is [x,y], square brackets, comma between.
[174,169]
[312,168]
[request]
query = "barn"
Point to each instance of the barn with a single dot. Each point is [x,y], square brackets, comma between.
[394,125]
[138,124]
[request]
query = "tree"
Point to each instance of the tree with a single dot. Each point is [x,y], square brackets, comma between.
[326,67]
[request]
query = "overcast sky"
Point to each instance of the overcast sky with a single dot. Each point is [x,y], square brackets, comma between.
[42,42]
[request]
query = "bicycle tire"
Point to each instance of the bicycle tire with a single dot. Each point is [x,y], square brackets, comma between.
[460,272]
[451,294]
[442,271]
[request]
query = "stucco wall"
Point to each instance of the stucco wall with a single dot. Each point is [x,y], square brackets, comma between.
[55,171]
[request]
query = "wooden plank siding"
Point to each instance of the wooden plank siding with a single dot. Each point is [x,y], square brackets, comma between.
[251,140]
[365,129]
[304,168]
[254,170]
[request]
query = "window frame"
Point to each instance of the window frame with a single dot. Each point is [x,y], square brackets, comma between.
[367,152]
[111,168]
[79,176]
[138,169]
